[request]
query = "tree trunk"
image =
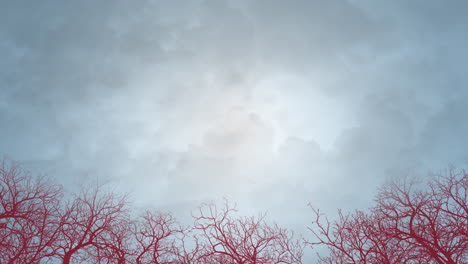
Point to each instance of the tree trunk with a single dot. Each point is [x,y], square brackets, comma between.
[67,258]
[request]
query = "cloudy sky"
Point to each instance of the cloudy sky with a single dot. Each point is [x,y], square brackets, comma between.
[271,103]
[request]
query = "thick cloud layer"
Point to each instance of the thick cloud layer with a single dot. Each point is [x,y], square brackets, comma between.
[271,103]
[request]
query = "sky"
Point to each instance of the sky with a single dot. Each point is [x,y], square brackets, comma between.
[272,104]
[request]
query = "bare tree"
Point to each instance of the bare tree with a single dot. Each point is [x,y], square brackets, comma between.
[117,244]
[434,219]
[155,236]
[410,223]
[356,238]
[244,239]
[89,223]
[38,225]
[29,208]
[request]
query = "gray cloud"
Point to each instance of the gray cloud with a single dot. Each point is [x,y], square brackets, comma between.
[271,104]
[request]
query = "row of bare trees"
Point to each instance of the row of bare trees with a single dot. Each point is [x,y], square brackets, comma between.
[409,223]
[40,224]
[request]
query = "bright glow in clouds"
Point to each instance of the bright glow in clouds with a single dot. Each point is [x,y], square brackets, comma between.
[236,130]
[299,108]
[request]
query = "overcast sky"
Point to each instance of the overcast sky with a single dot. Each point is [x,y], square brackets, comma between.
[271,103]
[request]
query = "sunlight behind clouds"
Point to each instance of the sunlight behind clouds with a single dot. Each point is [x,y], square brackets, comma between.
[240,135]
[298,107]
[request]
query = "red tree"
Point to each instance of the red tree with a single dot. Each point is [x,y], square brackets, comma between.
[410,223]
[244,239]
[37,225]
[29,209]
[116,244]
[155,238]
[89,224]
